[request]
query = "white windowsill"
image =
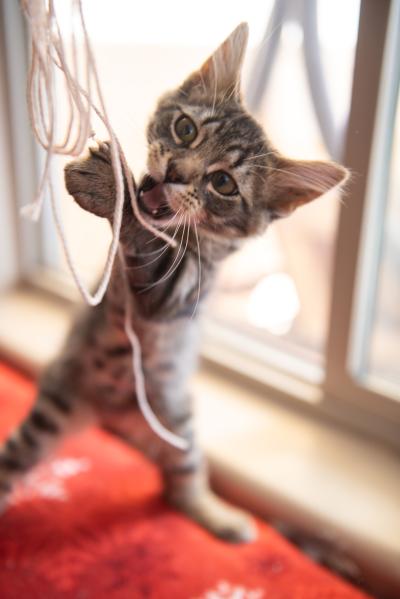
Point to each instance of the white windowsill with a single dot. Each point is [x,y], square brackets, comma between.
[281,463]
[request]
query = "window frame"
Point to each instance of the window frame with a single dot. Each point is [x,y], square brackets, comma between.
[369,118]
[377,197]
[15,64]
[341,395]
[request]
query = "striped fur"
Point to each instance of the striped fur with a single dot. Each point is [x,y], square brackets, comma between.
[92,380]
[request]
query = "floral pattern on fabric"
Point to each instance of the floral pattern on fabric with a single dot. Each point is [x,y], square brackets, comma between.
[48,480]
[226,590]
[92,524]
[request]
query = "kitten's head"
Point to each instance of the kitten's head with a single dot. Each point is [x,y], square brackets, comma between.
[210,160]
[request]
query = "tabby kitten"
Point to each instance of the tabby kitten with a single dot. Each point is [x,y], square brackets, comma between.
[213,180]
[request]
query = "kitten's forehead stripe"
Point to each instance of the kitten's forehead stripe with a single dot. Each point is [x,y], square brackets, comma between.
[210,120]
[235,148]
[242,153]
[239,161]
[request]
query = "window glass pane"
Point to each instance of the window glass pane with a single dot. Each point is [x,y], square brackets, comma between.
[277,289]
[385,335]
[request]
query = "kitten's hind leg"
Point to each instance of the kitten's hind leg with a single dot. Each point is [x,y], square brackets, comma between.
[50,419]
[187,488]
[185,476]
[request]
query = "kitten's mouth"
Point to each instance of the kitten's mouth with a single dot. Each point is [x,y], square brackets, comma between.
[152,199]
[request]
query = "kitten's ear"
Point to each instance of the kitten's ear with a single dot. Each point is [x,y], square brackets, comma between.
[220,74]
[292,183]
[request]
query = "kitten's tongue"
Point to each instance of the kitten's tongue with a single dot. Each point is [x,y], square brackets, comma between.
[152,198]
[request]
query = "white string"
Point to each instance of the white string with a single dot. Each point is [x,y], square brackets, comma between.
[144,405]
[49,59]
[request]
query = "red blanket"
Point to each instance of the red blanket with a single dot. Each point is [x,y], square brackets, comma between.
[90,524]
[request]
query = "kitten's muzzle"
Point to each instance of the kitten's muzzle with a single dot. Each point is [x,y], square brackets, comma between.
[152,199]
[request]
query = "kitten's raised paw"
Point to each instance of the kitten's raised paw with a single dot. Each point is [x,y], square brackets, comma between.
[221,519]
[91,181]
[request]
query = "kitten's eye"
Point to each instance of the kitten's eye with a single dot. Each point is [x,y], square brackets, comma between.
[223,183]
[185,129]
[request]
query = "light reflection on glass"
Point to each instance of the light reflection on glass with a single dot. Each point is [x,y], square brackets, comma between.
[273,304]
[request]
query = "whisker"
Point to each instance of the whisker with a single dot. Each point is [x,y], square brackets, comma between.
[150,240]
[255,174]
[305,177]
[250,158]
[171,220]
[215,88]
[160,249]
[167,276]
[280,170]
[166,225]
[199,270]
[175,262]
[164,248]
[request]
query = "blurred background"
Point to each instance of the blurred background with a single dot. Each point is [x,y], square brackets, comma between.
[278,290]
[310,312]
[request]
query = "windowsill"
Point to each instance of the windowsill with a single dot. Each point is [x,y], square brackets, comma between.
[284,465]
[281,463]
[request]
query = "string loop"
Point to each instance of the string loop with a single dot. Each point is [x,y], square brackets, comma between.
[48,64]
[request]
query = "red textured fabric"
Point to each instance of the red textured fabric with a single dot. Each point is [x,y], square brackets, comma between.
[91,524]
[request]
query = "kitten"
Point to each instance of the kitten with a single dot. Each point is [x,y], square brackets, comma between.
[213,181]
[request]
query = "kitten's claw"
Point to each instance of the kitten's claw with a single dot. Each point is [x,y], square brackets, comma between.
[101,150]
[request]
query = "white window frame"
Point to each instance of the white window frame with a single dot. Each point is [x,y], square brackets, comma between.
[23,167]
[344,394]
[374,90]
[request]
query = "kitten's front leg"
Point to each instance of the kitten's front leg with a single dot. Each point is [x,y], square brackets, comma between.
[169,357]
[91,181]
[184,473]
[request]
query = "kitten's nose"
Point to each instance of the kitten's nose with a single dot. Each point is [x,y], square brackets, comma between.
[173,175]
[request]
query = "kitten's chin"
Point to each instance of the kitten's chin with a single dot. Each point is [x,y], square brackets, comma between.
[153,201]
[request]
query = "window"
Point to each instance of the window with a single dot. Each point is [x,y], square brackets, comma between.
[277,290]
[377,324]
[384,348]
[312,308]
